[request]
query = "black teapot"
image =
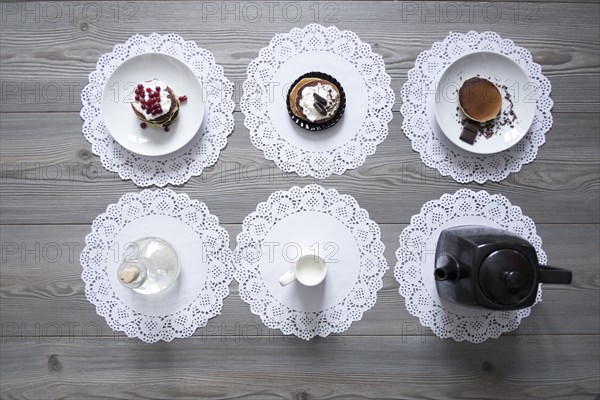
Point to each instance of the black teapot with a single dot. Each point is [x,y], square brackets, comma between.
[486,267]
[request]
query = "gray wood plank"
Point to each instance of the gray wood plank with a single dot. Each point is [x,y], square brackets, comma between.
[45,62]
[349,368]
[34,290]
[47,165]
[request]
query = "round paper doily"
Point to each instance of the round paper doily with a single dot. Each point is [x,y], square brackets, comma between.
[346,238]
[369,101]
[416,259]
[205,259]
[203,151]
[420,125]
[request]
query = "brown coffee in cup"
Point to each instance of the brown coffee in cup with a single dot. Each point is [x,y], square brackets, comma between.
[481,101]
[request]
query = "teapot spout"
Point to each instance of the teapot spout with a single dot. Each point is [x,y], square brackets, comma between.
[555,275]
[447,269]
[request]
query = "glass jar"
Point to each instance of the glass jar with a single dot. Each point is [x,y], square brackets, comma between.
[152,268]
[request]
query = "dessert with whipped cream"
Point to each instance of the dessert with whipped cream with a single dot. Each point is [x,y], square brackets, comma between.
[316,99]
[155,104]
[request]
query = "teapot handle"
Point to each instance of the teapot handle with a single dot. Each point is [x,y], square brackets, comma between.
[555,275]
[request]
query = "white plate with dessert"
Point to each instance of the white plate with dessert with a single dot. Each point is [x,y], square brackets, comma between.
[485,102]
[153,104]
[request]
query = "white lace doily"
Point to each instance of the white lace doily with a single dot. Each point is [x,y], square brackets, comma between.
[349,241]
[420,125]
[201,152]
[416,260]
[369,101]
[205,259]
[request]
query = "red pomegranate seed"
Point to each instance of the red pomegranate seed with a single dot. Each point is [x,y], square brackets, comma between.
[143,125]
[182,98]
[140,86]
[137,98]
[143,107]
[158,88]
[148,90]
[166,129]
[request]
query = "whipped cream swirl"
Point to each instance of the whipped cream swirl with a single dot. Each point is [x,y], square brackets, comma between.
[307,101]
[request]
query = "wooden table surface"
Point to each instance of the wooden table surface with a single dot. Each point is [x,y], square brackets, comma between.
[55,346]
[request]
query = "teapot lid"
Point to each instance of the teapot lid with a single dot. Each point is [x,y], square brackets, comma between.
[506,276]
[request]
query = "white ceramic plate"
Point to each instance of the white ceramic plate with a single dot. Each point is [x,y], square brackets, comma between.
[500,70]
[120,119]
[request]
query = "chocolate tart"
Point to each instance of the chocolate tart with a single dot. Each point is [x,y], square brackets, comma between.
[330,107]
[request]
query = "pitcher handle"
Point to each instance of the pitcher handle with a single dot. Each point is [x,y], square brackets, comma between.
[555,275]
[287,278]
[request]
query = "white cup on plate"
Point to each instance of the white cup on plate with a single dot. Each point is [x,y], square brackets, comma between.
[310,269]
